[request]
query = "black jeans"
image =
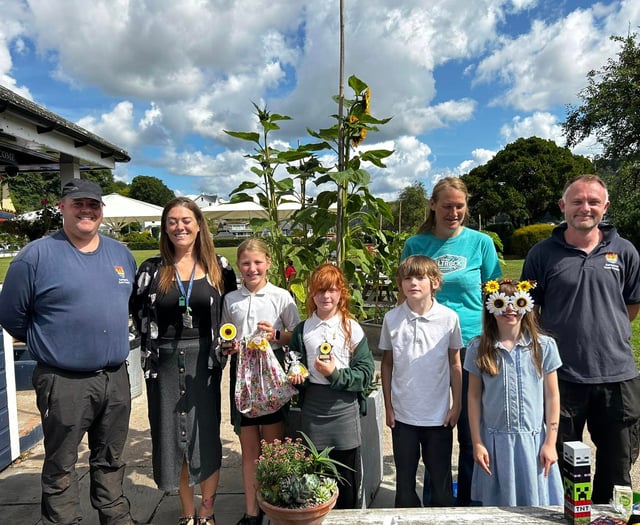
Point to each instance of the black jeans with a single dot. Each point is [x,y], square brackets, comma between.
[611,412]
[73,404]
[465,453]
[434,444]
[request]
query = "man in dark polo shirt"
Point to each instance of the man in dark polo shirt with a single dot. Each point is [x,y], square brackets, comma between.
[588,293]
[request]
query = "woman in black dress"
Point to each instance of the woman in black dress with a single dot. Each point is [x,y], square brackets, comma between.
[176,304]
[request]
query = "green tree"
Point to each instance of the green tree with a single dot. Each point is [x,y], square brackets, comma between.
[523,181]
[623,180]
[102,177]
[150,189]
[610,107]
[411,207]
[610,111]
[30,189]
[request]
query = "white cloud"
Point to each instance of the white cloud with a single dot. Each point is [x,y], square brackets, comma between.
[539,124]
[175,75]
[426,119]
[116,126]
[478,158]
[548,65]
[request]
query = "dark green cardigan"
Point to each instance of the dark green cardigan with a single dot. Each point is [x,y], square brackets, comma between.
[356,378]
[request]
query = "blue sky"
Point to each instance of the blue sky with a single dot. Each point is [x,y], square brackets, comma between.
[162,79]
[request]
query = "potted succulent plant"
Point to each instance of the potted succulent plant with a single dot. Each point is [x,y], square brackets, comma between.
[297,483]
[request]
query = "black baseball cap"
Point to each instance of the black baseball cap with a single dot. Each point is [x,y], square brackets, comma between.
[82,189]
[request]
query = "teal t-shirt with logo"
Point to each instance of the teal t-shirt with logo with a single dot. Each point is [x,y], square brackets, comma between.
[466,261]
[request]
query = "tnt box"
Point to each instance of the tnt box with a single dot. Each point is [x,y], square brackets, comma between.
[576,479]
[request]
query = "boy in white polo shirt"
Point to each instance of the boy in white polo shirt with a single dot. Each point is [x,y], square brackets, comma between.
[421,382]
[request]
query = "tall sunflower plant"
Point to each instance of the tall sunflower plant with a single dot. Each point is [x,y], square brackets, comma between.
[359,246]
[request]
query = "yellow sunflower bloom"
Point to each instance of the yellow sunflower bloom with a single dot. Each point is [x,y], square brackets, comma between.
[524,286]
[357,140]
[325,348]
[491,287]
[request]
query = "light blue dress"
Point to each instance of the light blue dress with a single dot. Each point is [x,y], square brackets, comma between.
[512,428]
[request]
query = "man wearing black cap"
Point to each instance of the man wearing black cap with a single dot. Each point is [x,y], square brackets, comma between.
[66,296]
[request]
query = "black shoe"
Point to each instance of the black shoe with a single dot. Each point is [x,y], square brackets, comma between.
[250,520]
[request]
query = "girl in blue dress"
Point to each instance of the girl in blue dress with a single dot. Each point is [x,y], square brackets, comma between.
[514,403]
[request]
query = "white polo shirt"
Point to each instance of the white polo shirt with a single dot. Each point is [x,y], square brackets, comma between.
[317,331]
[271,303]
[420,380]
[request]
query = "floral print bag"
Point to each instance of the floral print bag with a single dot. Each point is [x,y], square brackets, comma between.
[262,386]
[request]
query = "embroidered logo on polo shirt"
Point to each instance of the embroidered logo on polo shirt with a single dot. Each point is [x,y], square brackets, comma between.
[611,261]
[121,274]
[451,263]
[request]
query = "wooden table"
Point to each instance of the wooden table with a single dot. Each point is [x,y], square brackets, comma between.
[457,515]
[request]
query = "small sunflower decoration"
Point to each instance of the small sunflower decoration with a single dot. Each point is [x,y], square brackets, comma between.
[525,286]
[522,302]
[325,351]
[497,303]
[228,332]
[325,348]
[491,287]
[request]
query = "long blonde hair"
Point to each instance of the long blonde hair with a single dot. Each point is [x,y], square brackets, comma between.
[204,250]
[448,183]
[488,359]
[323,278]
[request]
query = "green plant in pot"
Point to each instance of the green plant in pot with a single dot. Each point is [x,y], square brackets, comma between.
[292,473]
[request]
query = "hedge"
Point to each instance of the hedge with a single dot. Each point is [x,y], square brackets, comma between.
[524,238]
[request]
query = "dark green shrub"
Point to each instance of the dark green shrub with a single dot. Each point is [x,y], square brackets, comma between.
[226,242]
[504,231]
[140,241]
[524,238]
[148,245]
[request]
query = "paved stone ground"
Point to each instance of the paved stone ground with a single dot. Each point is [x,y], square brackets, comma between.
[20,490]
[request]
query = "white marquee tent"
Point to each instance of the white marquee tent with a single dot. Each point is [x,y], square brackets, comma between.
[119,211]
[239,211]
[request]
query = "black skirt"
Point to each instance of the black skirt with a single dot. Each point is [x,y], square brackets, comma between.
[184,414]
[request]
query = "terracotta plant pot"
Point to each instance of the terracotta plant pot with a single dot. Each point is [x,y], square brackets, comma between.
[308,516]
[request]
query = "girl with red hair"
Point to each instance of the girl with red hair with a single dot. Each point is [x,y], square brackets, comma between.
[334,349]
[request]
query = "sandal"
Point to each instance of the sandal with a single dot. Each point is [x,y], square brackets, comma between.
[187,520]
[210,520]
